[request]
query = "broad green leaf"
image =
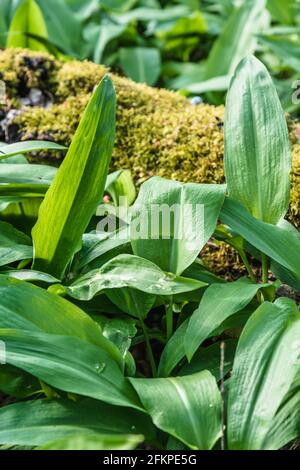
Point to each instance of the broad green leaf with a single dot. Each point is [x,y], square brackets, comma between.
[285,49]
[12,150]
[188,408]
[27,19]
[20,212]
[78,186]
[107,32]
[276,242]
[237,321]
[175,444]
[112,178]
[236,41]
[183,74]
[10,235]
[282,11]
[266,364]
[257,148]
[26,174]
[173,32]
[132,301]
[20,191]
[5,202]
[282,273]
[141,64]
[130,271]
[97,305]
[80,367]
[64,27]
[82,8]
[173,352]
[17,159]
[119,331]
[95,442]
[52,46]
[154,14]
[37,422]
[4,9]
[284,92]
[121,188]
[97,247]
[212,84]
[30,275]
[24,306]
[286,424]
[171,221]
[14,245]
[219,302]
[118,5]
[198,271]
[210,359]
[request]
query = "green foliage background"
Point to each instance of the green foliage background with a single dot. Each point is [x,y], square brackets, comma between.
[187,45]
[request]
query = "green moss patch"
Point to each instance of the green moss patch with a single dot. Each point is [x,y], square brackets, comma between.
[159,132]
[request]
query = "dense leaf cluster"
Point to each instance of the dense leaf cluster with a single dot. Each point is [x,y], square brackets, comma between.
[121,337]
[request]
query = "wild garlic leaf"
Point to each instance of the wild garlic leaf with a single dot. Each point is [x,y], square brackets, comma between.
[130,271]
[280,244]
[257,148]
[36,422]
[219,302]
[75,192]
[69,364]
[27,19]
[265,367]
[22,304]
[189,214]
[188,408]
[11,150]
[14,245]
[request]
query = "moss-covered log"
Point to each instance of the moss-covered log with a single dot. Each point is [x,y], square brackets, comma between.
[158,131]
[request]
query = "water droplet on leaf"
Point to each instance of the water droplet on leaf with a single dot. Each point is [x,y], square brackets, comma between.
[99,367]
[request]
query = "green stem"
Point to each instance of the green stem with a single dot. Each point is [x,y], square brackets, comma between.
[265,268]
[222,391]
[169,319]
[149,348]
[247,265]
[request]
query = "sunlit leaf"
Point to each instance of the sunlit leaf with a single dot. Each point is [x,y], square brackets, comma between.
[188,408]
[78,186]
[28,18]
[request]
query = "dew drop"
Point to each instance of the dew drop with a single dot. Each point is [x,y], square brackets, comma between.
[99,367]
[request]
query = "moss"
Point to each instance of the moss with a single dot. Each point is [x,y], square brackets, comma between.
[294,212]
[57,124]
[158,131]
[22,70]
[223,260]
[77,78]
